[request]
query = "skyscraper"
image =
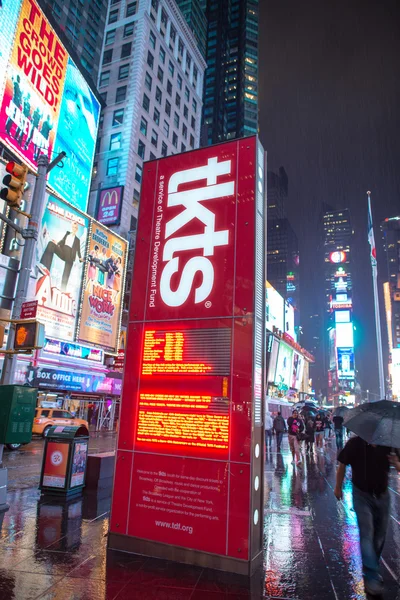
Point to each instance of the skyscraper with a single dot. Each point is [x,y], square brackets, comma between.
[82,22]
[278,186]
[338,301]
[391,236]
[231,84]
[194,13]
[283,262]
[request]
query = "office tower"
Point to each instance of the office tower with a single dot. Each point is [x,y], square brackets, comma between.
[339,337]
[82,22]
[193,11]
[152,81]
[277,186]
[283,262]
[231,83]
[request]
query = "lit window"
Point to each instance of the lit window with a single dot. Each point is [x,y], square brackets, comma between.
[118,117]
[112,166]
[143,126]
[138,173]
[110,37]
[115,141]
[130,9]
[104,78]
[123,72]
[128,29]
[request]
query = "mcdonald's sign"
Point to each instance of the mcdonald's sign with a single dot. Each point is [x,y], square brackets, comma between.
[109,205]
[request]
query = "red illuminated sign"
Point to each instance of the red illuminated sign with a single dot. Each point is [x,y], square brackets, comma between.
[191,434]
[338,257]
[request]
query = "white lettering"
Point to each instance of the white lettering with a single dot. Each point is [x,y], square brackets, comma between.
[206,241]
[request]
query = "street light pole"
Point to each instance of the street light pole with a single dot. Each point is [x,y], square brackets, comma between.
[28,258]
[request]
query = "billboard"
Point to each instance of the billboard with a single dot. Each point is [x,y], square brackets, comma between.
[345,357]
[60,256]
[109,205]
[273,348]
[275,309]
[103,291]
[396,373]
[76,135]
[289,321]
[32,96]
[188,449]
[297,371]
[344,335]
[284,365]
[46,105]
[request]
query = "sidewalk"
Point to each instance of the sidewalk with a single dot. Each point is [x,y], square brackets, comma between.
[51,550]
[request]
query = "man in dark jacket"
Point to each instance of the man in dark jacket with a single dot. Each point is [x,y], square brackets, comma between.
[279,428]
[67,250]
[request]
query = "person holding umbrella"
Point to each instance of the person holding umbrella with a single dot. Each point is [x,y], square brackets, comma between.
[370,455]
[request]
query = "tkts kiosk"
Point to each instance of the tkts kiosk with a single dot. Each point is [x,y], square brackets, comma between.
[189,471]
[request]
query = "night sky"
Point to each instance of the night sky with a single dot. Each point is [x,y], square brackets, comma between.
[329,113]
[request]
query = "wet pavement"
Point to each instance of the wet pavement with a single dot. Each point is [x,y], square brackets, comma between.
[57,550]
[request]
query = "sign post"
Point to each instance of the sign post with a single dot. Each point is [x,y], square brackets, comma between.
[190,449]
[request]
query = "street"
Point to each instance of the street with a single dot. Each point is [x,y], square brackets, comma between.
[53,549]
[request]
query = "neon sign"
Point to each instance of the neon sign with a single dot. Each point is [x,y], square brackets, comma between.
[338,257]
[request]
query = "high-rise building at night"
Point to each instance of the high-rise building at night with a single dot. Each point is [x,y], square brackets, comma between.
[83,23]
[391,236]
[283,262]
[338,233]
[194,13]
[278,186]
[152,82]
[231,81]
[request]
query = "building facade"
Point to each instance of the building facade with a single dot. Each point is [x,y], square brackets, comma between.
[283,262]
[339,340]
[278,188]
[231,84]
[83,23]
[194,13]
[151,80]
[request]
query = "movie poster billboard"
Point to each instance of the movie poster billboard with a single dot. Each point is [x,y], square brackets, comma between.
[60,257]
[76,135]
[34,84]
[9,11]
[102,296]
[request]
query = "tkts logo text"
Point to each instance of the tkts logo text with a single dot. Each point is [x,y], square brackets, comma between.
[179,276]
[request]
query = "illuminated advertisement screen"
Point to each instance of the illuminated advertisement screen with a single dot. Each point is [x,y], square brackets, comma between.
[289,320]
[297,372]
[46,105]
[76,135]
[344,335]
[272,358]
[103,291]
[109,205]
[332,349]
[396,373]
[275,309]
[30,105]
[345,363]
[58,273]
[284,365]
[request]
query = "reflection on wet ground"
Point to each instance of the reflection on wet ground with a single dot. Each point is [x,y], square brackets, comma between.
[58,550]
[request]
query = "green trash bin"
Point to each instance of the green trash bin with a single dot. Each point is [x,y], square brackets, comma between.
[64,460]
[17,410]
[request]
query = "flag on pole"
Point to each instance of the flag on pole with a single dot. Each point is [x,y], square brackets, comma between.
[371,237]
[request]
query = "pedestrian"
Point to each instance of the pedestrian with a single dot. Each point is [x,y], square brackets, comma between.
[319,426]
[327,427]
[370,469]
[338,425]
[279,428]
[310,434]
[268,429]
[295,428]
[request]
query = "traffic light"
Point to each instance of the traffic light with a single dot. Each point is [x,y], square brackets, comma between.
[15,183]
[28,336]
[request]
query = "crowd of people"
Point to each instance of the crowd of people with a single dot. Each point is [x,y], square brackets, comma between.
[312,432]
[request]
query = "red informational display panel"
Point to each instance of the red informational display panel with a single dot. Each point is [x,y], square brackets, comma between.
[188,482]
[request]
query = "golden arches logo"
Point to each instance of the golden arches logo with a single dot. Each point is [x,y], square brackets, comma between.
[110,198]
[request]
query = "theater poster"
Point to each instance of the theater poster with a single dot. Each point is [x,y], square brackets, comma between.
[59,268]
[102,296]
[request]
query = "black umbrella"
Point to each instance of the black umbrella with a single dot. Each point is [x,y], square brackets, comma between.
[376,422]
[341,411]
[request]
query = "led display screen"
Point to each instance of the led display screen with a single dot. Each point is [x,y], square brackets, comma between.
[297,372]
[272,357]
[345,363]
[284,365]
[344,335]
[342,316]
[275,309]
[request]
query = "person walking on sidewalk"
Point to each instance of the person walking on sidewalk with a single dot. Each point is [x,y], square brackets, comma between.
[338,424]
[295,428]
[310,434]
[370,469]
[268,429]
[319,426]
[279,428]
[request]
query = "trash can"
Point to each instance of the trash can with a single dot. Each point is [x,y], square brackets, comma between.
[64,460]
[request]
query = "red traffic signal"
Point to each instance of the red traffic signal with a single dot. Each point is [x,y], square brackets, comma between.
[15,183]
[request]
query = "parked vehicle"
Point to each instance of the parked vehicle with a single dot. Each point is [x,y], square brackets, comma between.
[47,417]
